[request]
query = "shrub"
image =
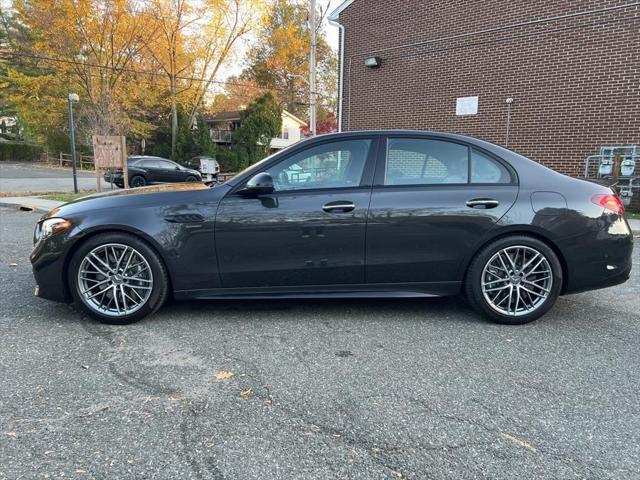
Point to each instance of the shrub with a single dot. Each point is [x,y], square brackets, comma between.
[17,151]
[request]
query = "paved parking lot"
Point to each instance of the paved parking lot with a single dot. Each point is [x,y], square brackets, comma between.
[28,177]
[420,389]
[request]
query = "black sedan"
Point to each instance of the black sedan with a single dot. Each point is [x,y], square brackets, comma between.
[359,214]
[146,170]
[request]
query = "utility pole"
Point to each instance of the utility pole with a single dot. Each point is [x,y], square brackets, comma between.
[312,69]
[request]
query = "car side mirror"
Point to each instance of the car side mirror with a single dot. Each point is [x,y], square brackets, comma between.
[177,168]
[260,184]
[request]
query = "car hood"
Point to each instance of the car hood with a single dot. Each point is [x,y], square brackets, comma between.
[126,197]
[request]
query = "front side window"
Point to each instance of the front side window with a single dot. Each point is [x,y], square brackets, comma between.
[167,165]
[412,161]
[333,165]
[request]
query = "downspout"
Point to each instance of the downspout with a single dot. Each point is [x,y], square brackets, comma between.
[341,68]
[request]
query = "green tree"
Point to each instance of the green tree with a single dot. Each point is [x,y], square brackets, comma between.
[259,123]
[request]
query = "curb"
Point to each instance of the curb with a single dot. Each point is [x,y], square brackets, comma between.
[25,207]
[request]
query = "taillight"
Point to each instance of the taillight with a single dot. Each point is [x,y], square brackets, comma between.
[609,201]
[119,170]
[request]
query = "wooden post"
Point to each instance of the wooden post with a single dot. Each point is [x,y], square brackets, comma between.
[125,163]
[60,159]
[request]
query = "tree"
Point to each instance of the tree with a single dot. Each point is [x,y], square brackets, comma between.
[279,59]
[259,123]
[193,42]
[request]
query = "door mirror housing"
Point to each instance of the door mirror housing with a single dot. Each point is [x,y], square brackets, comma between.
[260,184]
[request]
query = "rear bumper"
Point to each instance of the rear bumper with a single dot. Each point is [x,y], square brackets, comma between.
[601,258]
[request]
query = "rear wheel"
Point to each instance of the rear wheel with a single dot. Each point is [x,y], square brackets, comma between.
[117,278]
[514,280]
[138,181]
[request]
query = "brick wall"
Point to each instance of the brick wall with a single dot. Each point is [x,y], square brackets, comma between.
[575,82]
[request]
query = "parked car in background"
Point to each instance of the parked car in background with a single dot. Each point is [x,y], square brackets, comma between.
[148,170]
[196,164]
[380,214]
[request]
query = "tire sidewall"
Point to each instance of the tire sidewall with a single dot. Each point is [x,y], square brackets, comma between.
[158,293]
[474,279]
[144,181]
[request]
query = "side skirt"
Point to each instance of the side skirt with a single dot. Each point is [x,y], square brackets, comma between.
[377,290]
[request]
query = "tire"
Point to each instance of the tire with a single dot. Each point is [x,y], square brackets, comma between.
[141,277]
[191,179]
[534,290]
[138,181]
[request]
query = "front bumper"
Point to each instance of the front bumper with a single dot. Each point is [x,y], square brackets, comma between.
[49,265]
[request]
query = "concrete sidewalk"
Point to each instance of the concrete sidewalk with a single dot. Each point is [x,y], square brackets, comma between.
[30,203]
[42,205]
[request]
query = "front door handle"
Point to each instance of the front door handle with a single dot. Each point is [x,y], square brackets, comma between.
[483,203]
[339,206]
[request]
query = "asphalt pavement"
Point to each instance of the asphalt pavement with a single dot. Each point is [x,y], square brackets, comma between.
[358,389]
[16,177]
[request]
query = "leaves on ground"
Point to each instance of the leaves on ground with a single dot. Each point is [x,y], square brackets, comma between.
[517,441]
[224,375]
[246,393]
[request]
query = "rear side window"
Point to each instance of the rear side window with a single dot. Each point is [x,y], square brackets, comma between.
[148,163]
[412,161]
[485,169]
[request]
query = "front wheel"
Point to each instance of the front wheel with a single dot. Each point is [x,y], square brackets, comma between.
[117,278]
[514,280]
[191,179]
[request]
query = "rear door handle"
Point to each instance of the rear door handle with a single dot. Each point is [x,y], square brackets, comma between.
[483,203]
[339,206]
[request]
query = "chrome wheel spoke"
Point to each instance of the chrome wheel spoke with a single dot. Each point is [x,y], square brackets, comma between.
[517,280]
[115,280]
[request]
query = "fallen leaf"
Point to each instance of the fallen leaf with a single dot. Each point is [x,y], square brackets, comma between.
[86,367]
[11,434]
[247,392]
[375,450]
[223,375]
[517,441]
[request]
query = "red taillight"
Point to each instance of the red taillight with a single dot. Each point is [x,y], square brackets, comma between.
[119,170]
[610,202]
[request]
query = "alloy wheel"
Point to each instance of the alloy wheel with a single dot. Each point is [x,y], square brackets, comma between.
[115,280]
[517,280]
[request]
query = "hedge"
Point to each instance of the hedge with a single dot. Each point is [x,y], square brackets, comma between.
[14,151]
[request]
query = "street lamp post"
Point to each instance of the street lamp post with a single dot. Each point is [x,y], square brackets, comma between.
[73,97]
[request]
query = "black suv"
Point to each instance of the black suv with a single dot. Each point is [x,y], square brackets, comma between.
[146,170]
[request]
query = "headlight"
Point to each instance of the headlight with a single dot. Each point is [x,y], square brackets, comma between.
[52,226]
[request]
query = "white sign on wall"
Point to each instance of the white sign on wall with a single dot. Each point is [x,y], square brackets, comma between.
[467,106]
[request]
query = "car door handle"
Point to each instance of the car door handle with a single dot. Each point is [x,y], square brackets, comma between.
[339,206]
[483,203]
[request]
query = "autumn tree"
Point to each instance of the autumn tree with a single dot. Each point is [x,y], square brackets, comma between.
[92,46]
[192,43]
[279,59]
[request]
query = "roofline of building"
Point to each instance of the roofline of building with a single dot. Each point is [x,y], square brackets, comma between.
[338,10]
[291,115]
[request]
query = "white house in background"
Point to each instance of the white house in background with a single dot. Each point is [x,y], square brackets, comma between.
[222,125]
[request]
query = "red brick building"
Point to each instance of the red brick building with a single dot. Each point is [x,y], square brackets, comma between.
[571,68]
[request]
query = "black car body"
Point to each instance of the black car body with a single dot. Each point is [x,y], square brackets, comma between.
[148,170]
[381,213]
